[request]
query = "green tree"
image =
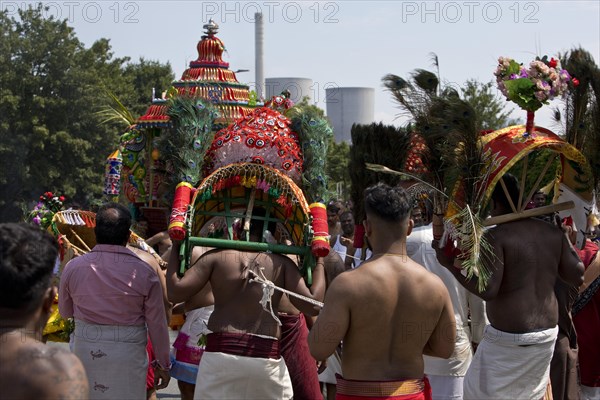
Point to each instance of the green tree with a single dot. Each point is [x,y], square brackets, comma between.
[338,156]
[490,108]
[145,76]
[51,88]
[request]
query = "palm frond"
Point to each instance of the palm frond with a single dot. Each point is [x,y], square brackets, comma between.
[115,111]
[470,233]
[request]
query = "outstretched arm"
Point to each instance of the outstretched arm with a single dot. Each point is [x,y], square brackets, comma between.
[295,283]
[496,267]
[193,281]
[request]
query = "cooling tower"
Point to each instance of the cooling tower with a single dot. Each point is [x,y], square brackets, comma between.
[298,88]
[347,106]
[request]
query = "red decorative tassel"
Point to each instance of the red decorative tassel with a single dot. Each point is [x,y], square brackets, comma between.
[450,250]
[359,236]
[183,196]
[320,242]
[529,126]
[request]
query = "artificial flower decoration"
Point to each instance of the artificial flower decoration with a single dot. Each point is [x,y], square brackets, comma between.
[48,205]
[533,86]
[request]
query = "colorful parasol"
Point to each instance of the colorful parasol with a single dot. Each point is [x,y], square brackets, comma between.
[505,147]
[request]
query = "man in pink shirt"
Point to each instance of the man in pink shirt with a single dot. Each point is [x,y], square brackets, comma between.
[116,300]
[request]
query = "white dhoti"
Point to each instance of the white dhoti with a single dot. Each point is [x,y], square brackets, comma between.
[114,358]
[510,365]
[225,376]
[446,376]
[333,367]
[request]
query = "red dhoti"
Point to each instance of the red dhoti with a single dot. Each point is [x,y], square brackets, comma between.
[409,389]
[301,366]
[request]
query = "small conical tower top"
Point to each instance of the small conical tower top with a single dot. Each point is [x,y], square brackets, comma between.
[210,48]
[211,28]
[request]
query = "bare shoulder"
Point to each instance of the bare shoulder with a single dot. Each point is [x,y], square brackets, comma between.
[50,372]
[145,257]
[347,282]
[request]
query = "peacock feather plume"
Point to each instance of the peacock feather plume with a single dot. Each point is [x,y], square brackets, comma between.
[457,168]
[315,133]
[184,146]
[375,144]
[419,99]
[579,116]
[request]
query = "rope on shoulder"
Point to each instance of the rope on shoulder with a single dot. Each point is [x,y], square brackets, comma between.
[269,288]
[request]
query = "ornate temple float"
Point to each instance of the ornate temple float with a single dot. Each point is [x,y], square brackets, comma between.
[143,169]
[212,153]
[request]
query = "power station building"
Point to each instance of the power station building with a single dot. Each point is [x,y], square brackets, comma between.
[347,106]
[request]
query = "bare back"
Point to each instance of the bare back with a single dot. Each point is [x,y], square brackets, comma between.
[397,312]
[32,370]
[237,307]
[530,255]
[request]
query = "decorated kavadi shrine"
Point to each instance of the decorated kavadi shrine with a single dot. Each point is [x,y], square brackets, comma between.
[142,174]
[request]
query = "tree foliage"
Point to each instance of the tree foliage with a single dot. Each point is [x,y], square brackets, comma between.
[51,87]
[338,155]
[489,107]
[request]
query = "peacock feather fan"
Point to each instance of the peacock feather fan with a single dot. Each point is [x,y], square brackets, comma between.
[419,99]
[460,173]
[466,175]
[184,146]
[580,114]
[314,133]
[375,144]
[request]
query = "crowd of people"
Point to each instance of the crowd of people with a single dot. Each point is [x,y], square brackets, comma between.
[393,320]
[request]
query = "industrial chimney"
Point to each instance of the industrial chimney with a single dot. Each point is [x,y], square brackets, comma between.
[259,55]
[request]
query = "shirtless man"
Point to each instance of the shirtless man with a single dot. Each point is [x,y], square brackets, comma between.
[334,208]
[389,312]
[513,360]
[162,241]
[242,357]
[28,368]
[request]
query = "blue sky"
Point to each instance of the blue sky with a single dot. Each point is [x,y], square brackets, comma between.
[344,43]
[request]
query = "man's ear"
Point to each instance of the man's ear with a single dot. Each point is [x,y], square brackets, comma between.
[49,297]
[368,228]
[409,228]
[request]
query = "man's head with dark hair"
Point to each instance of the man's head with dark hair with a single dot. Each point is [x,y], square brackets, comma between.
[347,222]
[387,203]
[27,259]
[539,198]
[112,224]
[334,207]
[499,197]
